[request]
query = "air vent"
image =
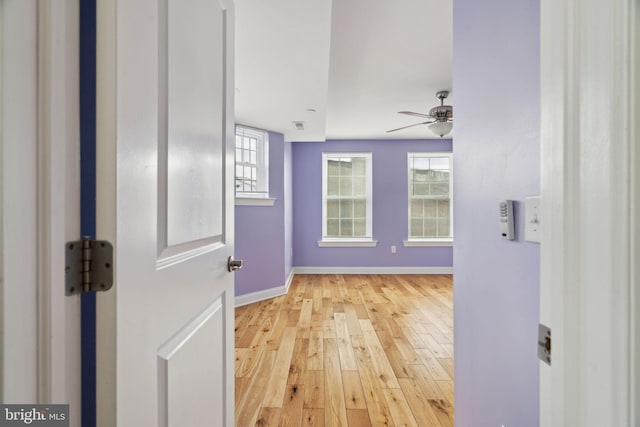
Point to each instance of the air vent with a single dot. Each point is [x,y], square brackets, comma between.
[298,125]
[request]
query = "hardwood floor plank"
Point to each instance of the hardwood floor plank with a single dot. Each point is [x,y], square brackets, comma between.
[327,309]
[305,314]
[437,334]
[413,338]
[312,417]
[293,317]
[291,415]
[353,393]
[240,354]
[280,372]
[351,316]
[240,389]
[329,328]
[314,390]
[249,406]
[376,402]
[434,347]
[358,418]
[447,364]
[317,300]
[361,311]
[315,357]
[447,389]
[327,285]
[419,403]
[334,403]
[443,410]
[268,417]
[448,348]
[433,365]
[274,339]
[399,408]
[244,339]
[407,351]
[298,361]
[381,364]
[345,348]
[426,382]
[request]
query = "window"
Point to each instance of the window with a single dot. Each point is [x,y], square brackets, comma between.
[430,198]
[346,197]
[252,163]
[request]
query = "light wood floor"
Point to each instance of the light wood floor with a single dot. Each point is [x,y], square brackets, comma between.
[348,350]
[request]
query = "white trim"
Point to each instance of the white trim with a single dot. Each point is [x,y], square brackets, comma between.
[106,135]
[368,156]
[265,294]
[20,287]
[347,243]
[428,243]
[39,146]
[255,201]
[262,156]
[429,154]
[59,198]
[634,158]
[588,175]
[373,270]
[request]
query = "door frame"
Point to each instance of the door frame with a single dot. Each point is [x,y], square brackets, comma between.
[58,200]
[46,367]
[590,207]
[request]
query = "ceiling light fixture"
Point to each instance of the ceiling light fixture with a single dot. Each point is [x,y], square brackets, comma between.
[441,128]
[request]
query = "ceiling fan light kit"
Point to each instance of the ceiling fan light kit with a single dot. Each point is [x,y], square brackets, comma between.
[441,128]
[441,117]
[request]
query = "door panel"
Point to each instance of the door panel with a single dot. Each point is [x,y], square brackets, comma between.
[194,96]
[175,371]
[165,195]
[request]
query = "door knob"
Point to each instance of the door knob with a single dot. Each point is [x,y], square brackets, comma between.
[234,264]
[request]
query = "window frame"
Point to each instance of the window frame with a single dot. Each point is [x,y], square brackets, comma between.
[367,240]
[261,197]
[429,241]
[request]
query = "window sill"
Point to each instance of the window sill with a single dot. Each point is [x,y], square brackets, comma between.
[254,201]
[427,243]
[342,243]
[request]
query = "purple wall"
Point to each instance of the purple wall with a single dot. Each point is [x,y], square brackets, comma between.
[389,206]
[260,231]
[496,282]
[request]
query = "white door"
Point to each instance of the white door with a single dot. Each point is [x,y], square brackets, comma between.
[165,199]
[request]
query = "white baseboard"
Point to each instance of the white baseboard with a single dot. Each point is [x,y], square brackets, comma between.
[264,294]
[373,270]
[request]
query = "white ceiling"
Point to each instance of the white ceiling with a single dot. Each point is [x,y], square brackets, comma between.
[355,62]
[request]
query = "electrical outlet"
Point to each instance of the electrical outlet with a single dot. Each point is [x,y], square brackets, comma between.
[393,249]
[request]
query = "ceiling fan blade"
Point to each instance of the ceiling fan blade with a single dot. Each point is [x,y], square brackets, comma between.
[410,126]
[411,113]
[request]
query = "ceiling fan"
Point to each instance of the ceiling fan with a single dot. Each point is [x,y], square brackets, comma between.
[441,117]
